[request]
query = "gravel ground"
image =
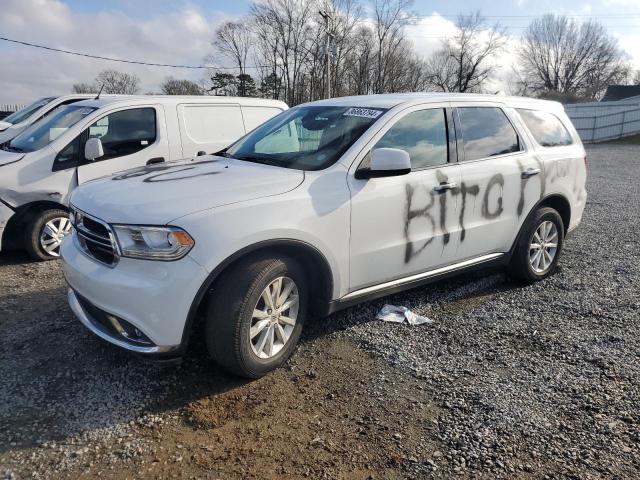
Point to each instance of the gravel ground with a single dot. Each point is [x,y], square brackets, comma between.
[509,382]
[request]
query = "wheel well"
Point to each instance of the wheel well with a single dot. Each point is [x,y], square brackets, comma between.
[561,205]
[14,231]
[310,259]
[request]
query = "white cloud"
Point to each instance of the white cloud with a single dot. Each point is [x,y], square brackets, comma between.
[181,37]
[429,32]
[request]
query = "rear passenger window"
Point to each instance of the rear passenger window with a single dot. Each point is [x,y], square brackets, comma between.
[486,132]
[125,132]
[546,128]
[423,134]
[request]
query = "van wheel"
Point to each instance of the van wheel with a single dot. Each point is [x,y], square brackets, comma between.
[255,315]
[45,232]
[538,250]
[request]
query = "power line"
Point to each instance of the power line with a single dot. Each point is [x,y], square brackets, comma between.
[111,59]
[515,17]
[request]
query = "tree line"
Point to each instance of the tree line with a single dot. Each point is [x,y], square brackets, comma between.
[279,50]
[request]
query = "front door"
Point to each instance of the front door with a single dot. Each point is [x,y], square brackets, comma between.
[406,224]
[130,138]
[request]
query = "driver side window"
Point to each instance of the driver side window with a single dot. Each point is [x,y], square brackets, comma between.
[125,132]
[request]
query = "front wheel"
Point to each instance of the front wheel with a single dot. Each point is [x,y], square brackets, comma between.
[255,315]
[45,232]
[538,249]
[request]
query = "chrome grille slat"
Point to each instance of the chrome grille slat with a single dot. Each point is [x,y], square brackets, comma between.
[88,236]
[92,239]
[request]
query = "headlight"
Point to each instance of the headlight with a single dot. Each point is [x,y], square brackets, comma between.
[153,243]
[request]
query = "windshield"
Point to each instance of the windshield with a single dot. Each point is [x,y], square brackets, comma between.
[21,115]
[306,137]
[42,133]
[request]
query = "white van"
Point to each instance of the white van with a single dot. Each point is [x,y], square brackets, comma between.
[12,125]
[89,139]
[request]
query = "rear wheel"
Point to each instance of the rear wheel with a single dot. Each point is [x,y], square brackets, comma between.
[255,316]
[45,232]
[538,250]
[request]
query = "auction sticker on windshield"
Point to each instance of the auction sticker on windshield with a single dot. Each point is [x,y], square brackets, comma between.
[363,112]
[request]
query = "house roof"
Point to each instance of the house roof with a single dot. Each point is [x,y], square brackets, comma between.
[620,92]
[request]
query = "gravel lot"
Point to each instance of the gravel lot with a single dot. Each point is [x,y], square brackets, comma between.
[509,382]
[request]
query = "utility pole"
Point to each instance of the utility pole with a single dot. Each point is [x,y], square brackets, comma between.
[327,52]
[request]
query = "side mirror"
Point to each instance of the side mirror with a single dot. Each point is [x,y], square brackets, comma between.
[93,149]
[386,162]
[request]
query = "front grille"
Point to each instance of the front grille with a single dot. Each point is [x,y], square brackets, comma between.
[95,237]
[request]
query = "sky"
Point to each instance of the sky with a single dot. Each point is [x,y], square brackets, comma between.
[179,31]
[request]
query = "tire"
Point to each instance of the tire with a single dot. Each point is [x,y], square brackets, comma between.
[40,240]
[526,265]
[230,316]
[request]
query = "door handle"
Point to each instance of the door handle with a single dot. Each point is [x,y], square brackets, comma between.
[530,172]
[151,161]
[443,187]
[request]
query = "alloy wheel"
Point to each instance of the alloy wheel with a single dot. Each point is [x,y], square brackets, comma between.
[274,317]
[543,247]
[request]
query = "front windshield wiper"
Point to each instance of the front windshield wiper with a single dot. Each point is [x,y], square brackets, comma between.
[8,148]
[261,160]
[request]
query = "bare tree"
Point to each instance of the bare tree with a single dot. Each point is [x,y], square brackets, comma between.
[284,30]
[114,82]
[118,82]
[233,40]
[561,55]
[636,78]
[464,63]
[84,88]
[173,86]
[390,16]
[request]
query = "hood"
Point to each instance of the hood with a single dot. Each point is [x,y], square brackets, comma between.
[158,194]
[9,157]
[4,125]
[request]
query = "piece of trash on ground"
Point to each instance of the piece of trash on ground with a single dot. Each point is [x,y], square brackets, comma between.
[391,313]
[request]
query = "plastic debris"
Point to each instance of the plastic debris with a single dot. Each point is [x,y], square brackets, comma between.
[391,313]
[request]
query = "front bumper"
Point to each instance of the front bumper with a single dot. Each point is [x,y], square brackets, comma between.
[153,297]
[5,215]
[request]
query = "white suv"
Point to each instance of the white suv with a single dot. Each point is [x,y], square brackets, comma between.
[326,205]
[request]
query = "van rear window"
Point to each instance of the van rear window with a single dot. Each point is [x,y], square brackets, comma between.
[546,128]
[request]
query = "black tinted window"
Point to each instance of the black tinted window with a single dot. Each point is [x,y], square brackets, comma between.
[125,132]
[423,134]
[546,128]
[486,132]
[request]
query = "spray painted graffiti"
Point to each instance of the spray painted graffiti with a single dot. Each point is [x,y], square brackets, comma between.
[492,206]
[164,171]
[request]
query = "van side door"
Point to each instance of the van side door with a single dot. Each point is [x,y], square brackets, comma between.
[406,224]
[209,127]
[502,178]
[131,137]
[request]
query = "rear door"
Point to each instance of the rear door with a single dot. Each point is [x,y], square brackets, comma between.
[131,137]
[501,178]
[406,224]
[209,127]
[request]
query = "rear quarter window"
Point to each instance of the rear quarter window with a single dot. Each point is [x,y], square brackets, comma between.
[546,128]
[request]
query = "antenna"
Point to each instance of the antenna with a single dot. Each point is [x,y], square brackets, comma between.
[98,96]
